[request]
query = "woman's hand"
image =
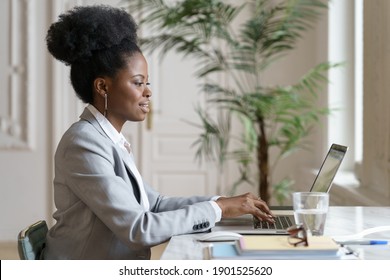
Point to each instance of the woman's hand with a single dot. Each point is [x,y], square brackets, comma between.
[245,204]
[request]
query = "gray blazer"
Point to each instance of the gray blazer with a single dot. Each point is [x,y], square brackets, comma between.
[99,215]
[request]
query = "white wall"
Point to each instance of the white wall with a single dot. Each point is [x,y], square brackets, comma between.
[25,146]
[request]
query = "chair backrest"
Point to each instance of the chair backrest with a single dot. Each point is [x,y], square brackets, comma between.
[32,241]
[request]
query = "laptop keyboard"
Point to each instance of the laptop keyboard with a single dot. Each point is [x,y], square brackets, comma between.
[281,222]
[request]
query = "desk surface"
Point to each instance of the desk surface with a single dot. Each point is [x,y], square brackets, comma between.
[340,221]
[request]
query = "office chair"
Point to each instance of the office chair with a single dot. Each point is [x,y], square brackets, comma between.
[32,241]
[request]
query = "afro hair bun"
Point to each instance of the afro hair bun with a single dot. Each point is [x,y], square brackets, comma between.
[85,29]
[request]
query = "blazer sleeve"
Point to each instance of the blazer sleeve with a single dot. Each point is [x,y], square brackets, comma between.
[161,203]
[91,166]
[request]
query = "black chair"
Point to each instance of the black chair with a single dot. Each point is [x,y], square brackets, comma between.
[32,241]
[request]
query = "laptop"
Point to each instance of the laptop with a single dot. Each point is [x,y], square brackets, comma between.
[284,215]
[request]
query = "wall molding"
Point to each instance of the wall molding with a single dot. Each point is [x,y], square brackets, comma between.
[18,119]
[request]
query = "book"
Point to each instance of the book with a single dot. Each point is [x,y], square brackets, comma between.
[228,251]
[278,247]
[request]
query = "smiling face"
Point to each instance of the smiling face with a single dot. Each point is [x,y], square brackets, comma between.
[128,92]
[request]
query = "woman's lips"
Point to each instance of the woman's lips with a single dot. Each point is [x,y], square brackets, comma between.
[145,107]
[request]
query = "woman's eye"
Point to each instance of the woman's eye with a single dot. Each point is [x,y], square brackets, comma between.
[139,84]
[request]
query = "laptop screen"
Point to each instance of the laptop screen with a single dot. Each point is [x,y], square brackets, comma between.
[329,168]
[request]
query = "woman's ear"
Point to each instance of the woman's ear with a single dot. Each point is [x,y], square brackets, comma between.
[100,86]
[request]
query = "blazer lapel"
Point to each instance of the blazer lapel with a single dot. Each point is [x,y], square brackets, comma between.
[132,168]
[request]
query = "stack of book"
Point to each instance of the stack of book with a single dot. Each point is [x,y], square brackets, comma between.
[275,247]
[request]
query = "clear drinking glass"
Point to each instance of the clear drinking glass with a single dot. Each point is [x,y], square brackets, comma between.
[310,210]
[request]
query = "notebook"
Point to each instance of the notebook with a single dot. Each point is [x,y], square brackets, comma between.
[268,245]
[284,216]
[229,251]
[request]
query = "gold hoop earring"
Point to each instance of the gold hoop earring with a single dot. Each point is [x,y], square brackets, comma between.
[105,104]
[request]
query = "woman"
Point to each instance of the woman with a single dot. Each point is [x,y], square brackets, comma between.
[104,209]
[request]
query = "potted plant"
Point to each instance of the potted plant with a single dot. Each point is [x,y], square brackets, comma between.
[269,116]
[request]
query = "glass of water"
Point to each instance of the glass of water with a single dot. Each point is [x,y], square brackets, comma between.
[310,209]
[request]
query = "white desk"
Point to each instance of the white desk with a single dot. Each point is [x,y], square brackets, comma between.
[340,221]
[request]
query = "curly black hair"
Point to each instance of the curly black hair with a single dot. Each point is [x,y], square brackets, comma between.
[94,41]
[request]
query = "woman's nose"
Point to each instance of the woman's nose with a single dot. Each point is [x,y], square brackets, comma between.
[147,92]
